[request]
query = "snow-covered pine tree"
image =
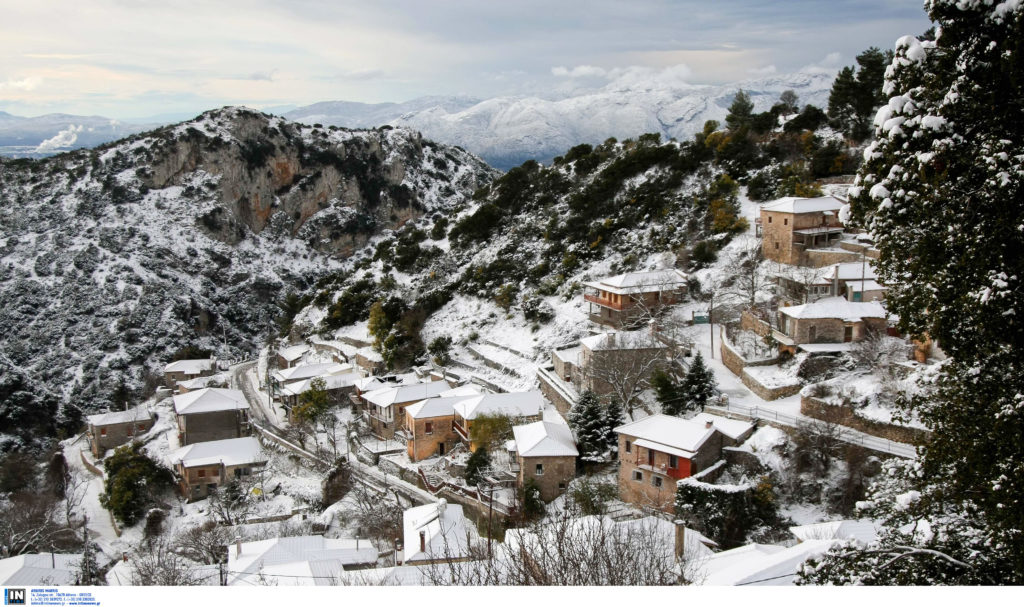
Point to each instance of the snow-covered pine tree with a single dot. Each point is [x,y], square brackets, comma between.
[614,416]
[940,190]
[699,385]
[669,392]
[587,418]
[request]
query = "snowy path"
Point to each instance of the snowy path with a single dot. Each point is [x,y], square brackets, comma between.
[101,528]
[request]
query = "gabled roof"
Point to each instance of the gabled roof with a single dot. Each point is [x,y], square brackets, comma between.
[758,565]
[406,393]
[201,382]
[230,452]
[208,400]
[301,372]
[134,414]
[293,352]
[331,382]
[442,406]
[641,282]
[856,286]
[622,340]
[514,404]
[668,434]
[733,428]
[852,270]
[863,531]
[836,307]
[792,204]
[318,559]
[40,569]
[544,439]
[444,531]
[190,367]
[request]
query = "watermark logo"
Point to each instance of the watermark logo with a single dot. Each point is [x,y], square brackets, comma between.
[14,596]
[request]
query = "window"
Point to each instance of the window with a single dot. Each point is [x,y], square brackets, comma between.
[785,221]
[812,333]
[141,427]
[650,457]
[673,461]
[769,219]
[637,475]
[561,486]
[656,481]
[629,447]
[103,432]
[539,471]
[428,428]
[201,474]
[776,246]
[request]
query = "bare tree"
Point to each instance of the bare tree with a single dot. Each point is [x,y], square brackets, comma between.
[156,564]
[804,278]
[622,367]
[379,516]
[204,543]
[746,278]
[569,550]
[30,522]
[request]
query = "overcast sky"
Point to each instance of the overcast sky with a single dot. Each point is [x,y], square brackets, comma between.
[134,58]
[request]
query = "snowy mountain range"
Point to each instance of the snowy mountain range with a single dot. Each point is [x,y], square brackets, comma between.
[505,131]
[42,136]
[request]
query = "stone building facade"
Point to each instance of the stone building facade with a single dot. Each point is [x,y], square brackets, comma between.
[792,226]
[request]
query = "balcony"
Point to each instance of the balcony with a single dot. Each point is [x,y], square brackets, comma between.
[604,302]
[462,432]
[663,470]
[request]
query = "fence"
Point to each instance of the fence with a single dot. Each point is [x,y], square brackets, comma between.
[847,435]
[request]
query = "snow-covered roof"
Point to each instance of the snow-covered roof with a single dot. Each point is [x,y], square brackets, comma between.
[733,428]
[434,407]
[818,348]
[544,439]
[230,452]
[209,399]
[463,390]
[443,528]
[134,414]
[864,531]
[369,384]
[40,569]
[298,560]
[331,382]
[301,372]
[622,340]
[293,352]
[668,434]
[757,564]
[569,355]
[836,307]
[793,204]
[856,286]
[201,382]
[641,282]
[405,393]
[852,270]
[514,404]
[190,367]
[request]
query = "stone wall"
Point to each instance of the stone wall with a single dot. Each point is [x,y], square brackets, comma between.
[766,393]
[425,445]
[558,471]
[819,258]
[215,425]
[846,416]
[555,396]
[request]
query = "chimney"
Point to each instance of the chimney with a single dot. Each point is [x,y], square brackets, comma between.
[423,541]
[708,424]
[124,556]
[680,539]
[441,504]
[238,546]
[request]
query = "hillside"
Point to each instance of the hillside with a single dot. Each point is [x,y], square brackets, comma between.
[113,259]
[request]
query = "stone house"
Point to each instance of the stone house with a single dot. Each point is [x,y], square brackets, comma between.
[520,406]
[211,414]
[435,533]
[791,226]
[626,300]
[430,424]
[181,370]
[209,381]
[831,320]
[338,388]
[659,450]
[204,467]
[291,356]
[385,408]
[370,361]
[546,453]
[617,357]
[856,281]
[110,430]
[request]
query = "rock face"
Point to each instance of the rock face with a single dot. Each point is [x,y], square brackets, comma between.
[114,258]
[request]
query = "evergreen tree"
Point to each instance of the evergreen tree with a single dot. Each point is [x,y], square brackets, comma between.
[669,393]
[699,384]
[614,416]
[941,190]
[740,112]
[588,420]
[134,480]
[477,464]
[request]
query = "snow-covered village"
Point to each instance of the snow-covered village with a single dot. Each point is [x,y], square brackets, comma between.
[761,333]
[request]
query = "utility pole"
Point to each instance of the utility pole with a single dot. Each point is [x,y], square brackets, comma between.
[711,321]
